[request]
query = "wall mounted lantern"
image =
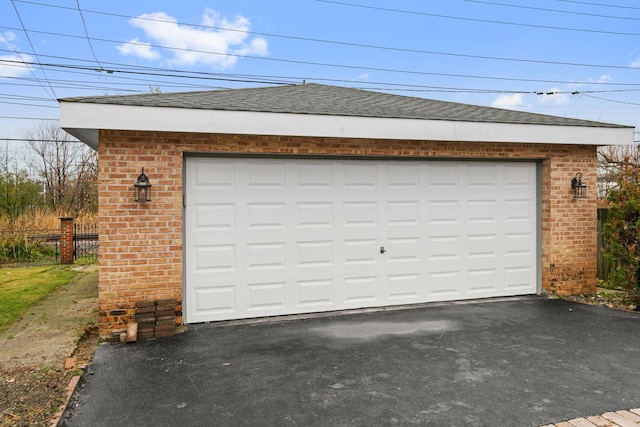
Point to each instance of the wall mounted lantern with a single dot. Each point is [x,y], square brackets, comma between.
[143,188]
[579,189]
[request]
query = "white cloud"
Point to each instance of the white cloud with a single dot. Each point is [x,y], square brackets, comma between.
[508,101]
[221,45]
[134,47]
[6,38]
[361,77]
[636,63]
[553,97]
[602,79]
[14,65]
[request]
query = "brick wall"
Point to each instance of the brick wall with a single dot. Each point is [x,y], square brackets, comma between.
[141,243]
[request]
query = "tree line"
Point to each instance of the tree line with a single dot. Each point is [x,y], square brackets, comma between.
[58,174]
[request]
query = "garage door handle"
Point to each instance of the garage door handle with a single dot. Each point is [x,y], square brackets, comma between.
[382,249]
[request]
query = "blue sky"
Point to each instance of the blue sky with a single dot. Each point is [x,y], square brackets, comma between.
[567,58]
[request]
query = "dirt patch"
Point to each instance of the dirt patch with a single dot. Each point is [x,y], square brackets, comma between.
[619,300]
[61,330]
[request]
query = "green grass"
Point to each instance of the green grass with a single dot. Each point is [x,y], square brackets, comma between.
[21,288]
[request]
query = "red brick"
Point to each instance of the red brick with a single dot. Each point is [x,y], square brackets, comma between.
[141,244]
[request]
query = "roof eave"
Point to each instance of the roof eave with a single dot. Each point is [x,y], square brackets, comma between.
[83,120]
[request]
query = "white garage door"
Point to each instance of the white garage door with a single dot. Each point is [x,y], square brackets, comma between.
[274,236]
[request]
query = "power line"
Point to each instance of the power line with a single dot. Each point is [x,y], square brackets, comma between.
[265,81]
[30,105]
[611,100]
[488,21]
[600,4]
[554,10]
[74,141]
[27,118]
[325,41]
[84,24]
[32,48]
[361,67]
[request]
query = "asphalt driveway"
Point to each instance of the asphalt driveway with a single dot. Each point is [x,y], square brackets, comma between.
[514,362]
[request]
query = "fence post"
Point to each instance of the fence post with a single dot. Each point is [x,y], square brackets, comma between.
[66,240]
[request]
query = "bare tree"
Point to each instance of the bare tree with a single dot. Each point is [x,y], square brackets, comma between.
[67,168]
[614,161]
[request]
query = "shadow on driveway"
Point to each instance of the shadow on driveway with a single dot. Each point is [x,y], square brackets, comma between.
[515,362]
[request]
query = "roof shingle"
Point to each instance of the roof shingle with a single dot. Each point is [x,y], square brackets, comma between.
[312,98]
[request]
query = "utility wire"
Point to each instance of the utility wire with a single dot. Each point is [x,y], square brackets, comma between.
[334,42]
[32,48]
[27,118]
[40,140]
[488,21]
[611,100]
[448,89]
[349,66]
[84,24]
[30,105]
[79,67]
[596,15]
[600,4]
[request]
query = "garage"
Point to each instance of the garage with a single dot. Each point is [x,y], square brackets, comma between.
[270,236]
[303,198]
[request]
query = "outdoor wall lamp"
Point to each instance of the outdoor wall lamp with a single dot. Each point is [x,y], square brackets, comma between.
[143,188]
[579,189]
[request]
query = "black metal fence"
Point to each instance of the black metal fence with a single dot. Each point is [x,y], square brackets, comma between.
[604,266]
[85,242]
[42,246]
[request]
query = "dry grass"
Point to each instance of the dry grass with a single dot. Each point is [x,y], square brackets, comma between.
[44,219]
[21,239]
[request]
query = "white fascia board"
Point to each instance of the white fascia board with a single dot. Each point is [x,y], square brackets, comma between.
[84,119]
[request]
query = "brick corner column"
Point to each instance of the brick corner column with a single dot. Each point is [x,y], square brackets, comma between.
[66,241]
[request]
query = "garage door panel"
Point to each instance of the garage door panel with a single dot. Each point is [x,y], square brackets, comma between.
[266,215]
[483,211]
[360,213]
[318,214]
[314,293]
[403,212]
[266,175]
[519,210]
[403,249]
[360,289]
[483,281]
[215,216]
[215,258]
[360,175]
[440,212]
[361,251]
[315,253]
[519,244]
[269,237]
[267,256]
[403,177]
[443,177]
[517,279]
[218,301]
[482,246]
[267,296]
[480,177]
[314,176]
[444,285]
[405,288]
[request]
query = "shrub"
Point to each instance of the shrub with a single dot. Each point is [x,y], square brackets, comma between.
[621,233]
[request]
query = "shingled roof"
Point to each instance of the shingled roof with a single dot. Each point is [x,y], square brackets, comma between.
[312,98]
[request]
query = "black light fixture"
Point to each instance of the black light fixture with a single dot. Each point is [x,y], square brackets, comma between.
[143,188]
[579,189]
